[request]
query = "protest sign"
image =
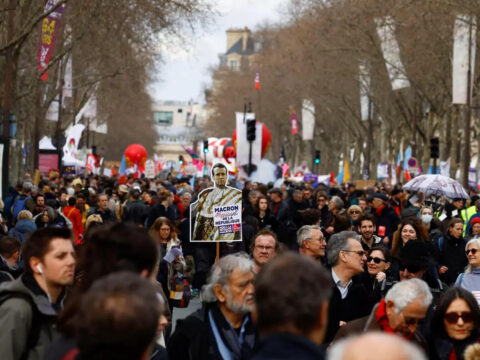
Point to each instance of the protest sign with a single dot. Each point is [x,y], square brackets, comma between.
[217,213]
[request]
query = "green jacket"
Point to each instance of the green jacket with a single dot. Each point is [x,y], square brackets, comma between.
[466,215]
[16,318]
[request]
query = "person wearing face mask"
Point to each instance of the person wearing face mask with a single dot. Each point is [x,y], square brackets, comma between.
[429,222]
[426,216]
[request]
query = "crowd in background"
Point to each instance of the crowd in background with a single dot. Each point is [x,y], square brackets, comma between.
[94,269]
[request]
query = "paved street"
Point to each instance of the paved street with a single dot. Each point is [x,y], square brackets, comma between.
[178,313]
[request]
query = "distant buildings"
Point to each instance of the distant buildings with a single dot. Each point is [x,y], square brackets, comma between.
[178,124]
[241,49]
[181,124]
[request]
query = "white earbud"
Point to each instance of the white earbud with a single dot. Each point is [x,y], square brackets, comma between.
[39,268]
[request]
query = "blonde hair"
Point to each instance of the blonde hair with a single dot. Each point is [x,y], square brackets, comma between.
[93,218]
[354,207]
[24,215]
[472,352]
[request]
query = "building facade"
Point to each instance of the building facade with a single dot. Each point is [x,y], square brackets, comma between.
[178,125]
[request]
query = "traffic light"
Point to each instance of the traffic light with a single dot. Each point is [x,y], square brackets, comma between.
[317,156]
[205,146]
[435,148]
[251,129]
[180,159]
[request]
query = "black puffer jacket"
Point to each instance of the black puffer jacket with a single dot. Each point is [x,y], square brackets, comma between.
[451,253]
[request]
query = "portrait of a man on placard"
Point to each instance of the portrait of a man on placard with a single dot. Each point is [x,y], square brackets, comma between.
[217,213]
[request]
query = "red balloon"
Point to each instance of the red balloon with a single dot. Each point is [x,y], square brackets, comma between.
[136,154]
[266,139]
[229,151]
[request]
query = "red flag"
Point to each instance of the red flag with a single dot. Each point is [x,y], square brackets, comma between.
[332,178]
[408,177]
[257,81]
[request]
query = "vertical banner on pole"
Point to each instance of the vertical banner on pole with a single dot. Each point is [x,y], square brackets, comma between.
[293,121]
[308,119]
[364,91]
[391,53]
[48,35]
[461,43]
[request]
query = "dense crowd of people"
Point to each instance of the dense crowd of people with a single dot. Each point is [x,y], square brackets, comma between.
[94,269]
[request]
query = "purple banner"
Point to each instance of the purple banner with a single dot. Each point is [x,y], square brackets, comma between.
[48,35]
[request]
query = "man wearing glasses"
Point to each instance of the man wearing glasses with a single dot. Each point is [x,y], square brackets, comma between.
[264,248]
[349,300]
[311,242]
[404,306]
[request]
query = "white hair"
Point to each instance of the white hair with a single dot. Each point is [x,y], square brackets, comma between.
[475,240]
[407,291]
[338,202]
[305,233]
[402,348]
[221,272]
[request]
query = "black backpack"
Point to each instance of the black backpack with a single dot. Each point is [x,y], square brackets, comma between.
[34,333]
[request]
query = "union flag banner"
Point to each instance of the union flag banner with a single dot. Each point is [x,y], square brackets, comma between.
[48,35]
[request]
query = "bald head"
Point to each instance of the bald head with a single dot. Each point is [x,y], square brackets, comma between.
[375,346]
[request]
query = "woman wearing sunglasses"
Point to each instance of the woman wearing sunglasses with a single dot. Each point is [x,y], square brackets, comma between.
[354,213]
[470,279]
[375,277]
[454,325]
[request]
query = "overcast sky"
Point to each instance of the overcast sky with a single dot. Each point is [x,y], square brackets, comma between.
[184,73]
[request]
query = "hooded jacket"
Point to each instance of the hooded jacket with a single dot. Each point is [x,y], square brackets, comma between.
[22,229]
[16,318]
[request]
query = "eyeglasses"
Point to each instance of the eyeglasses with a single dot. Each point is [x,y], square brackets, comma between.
[410,268]
[376,260]
[409,320]
[358,252]
[354,212]
[452,318]
[322,200]
[473,251]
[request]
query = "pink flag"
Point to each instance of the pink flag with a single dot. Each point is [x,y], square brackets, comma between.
[257,81]
[293,121]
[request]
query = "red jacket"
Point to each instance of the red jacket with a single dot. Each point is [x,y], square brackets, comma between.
[73,214]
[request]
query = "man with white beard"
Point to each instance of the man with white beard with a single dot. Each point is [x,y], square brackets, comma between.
[223,328]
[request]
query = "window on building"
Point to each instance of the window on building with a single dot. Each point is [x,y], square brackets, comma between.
[234,65]
[180,111]
[163,117]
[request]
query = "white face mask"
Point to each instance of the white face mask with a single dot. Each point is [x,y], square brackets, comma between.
[427,218]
